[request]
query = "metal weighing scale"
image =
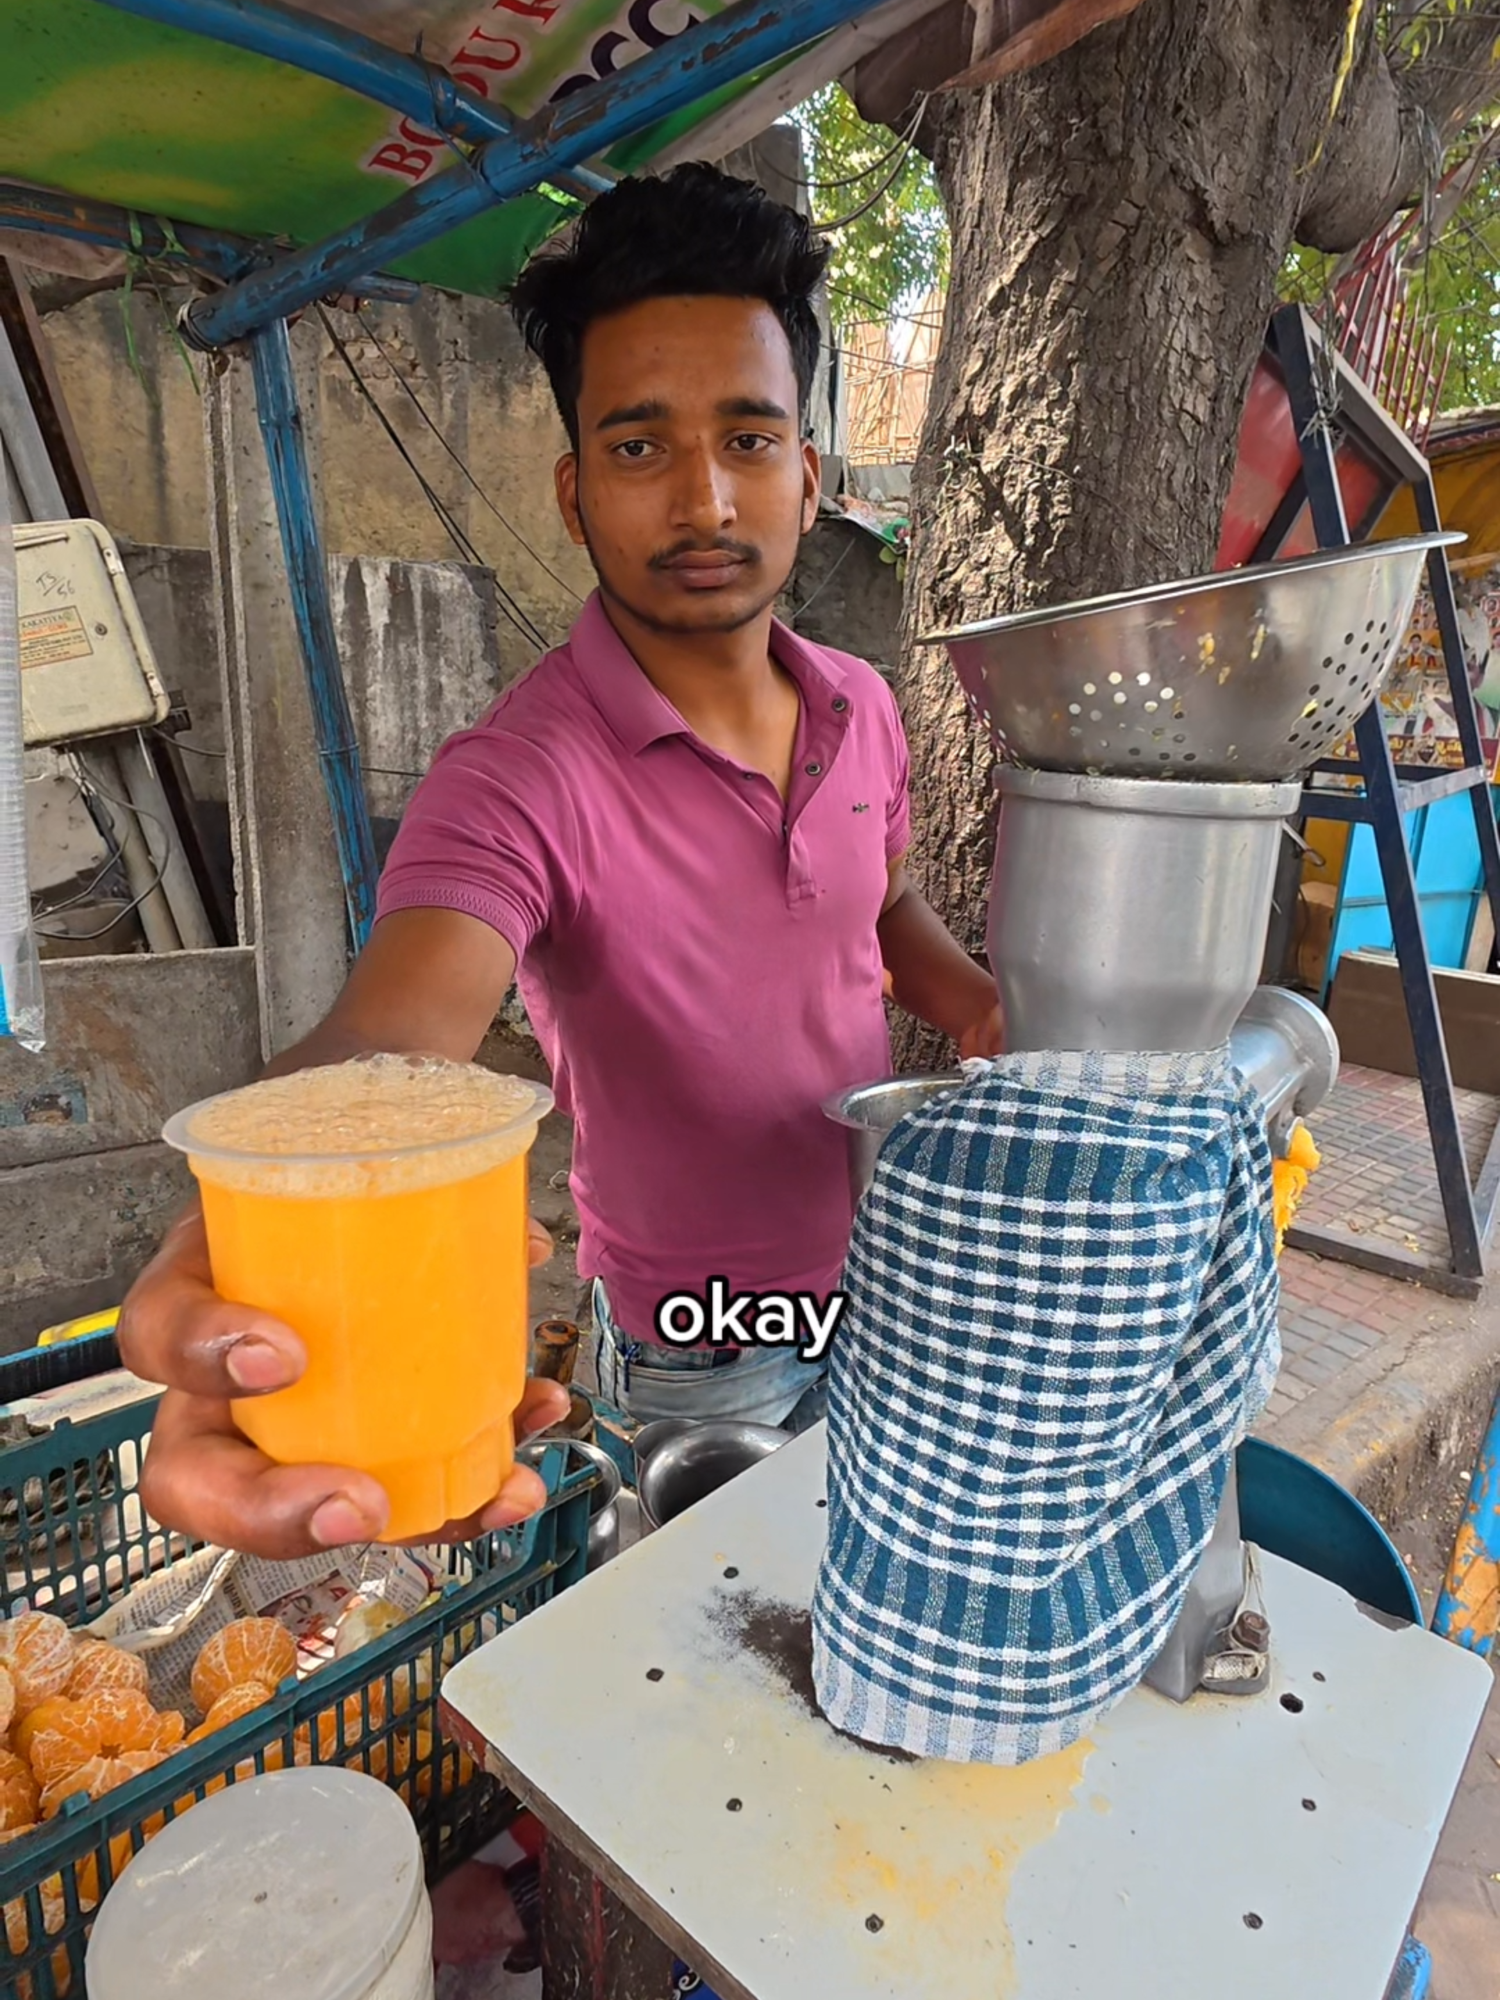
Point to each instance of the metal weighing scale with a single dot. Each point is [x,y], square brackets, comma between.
[658,1720]
[1245,1833]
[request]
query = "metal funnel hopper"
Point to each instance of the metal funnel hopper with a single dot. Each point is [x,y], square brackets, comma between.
[1249,675]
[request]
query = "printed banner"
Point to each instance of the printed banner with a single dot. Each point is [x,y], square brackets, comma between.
[99,104]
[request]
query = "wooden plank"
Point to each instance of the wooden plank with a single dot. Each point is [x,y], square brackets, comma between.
[594,1947]
[1369,1017]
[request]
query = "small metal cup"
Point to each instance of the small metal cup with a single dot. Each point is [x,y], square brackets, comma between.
[684,1468]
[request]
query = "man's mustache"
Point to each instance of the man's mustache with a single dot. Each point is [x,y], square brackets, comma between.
[740,551]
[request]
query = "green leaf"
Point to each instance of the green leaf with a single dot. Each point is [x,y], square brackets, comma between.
[893,250]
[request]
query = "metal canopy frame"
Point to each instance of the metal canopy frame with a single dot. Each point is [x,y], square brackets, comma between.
[1329,401]
[261,287]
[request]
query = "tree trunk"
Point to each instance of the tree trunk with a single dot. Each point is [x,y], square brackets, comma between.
[1119,220]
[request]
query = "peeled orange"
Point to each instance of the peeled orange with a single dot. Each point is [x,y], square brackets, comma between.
[97,1665]
[230,1706]
[98,1742]
[18,1793]
[36,1649]
[98,1776]
[56,1711]
[54,1912]
[249,1649]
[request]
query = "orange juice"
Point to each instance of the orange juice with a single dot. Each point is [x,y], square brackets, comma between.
[379,1208]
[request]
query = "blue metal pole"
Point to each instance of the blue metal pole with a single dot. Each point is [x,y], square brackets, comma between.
[1468,1607]
[418,89]
[307,573]
[700,60]
[45,212]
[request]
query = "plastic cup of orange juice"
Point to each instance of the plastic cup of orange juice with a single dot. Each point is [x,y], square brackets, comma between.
[379,1208]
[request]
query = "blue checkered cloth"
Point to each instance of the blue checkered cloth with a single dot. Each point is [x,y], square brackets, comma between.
[1062,1319]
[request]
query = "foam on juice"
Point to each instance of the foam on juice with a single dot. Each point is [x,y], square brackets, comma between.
[382,1124]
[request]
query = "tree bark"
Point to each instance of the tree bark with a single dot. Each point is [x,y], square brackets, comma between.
[1120,216]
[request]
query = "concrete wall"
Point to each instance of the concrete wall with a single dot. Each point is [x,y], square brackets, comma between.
[86,1187]
[141,431]
[844,595]
[424,649]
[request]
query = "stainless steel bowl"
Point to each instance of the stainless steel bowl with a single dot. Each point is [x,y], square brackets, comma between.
[683,1469]
[604,1512]
[1249,674]
[869,1110]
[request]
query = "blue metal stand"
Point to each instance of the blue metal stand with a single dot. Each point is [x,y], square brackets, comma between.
[1316,376]
[307,574]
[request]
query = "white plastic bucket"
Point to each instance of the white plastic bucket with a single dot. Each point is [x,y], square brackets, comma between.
[306,1884]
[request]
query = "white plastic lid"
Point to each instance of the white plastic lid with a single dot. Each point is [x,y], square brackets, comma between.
[301,1883]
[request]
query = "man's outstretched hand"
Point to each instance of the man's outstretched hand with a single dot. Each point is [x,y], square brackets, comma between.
[204,1478]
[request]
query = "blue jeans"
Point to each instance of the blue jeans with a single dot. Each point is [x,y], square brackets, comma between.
[762,1385]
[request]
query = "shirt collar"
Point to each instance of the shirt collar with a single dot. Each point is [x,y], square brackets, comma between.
[637,712]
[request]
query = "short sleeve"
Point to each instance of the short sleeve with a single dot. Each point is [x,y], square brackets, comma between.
[898,802]
[489,833]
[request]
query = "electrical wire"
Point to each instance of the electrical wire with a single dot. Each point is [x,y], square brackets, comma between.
[89,785]
[902,141]
[854,214]
[112,857]
[111,860]
[512,610]
[193,749]
[421,409]
[817,591]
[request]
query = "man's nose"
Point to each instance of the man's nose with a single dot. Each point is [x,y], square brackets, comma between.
[704,495]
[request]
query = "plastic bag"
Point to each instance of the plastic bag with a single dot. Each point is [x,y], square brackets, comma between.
[21,1015]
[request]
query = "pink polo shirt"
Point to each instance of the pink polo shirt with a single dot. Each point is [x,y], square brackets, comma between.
[699,961]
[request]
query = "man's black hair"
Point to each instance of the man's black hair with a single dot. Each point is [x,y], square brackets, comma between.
[692,233]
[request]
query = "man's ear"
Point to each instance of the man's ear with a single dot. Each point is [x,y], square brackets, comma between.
[565,480]
[812,484]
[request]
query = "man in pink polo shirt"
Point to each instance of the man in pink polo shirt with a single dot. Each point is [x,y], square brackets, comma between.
[683,831]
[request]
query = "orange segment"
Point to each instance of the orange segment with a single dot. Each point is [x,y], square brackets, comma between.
[68,1737]
[126,1721]
[7,1699]
[37,1651]
[249,1649]
[98,1776]
[52,1716]
[96,1665]
[18,1793]
[230,1706]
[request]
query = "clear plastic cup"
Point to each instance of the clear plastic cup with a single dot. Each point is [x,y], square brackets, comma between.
[379,1208]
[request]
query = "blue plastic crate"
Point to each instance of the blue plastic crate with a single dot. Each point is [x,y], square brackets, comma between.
[75,1538]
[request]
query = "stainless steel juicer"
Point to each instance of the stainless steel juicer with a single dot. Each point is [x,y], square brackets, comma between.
[1153,745]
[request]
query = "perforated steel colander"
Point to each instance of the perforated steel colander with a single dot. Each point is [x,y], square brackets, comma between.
[1249,674]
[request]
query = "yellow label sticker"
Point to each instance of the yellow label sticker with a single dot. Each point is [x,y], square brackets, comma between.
[50,637]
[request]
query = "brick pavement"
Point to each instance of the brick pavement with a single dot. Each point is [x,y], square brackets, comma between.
[1377,1178]
[1334,1319]
[1344,1326]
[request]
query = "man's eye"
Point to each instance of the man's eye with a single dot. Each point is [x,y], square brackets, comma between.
[751,441]
[634,448]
